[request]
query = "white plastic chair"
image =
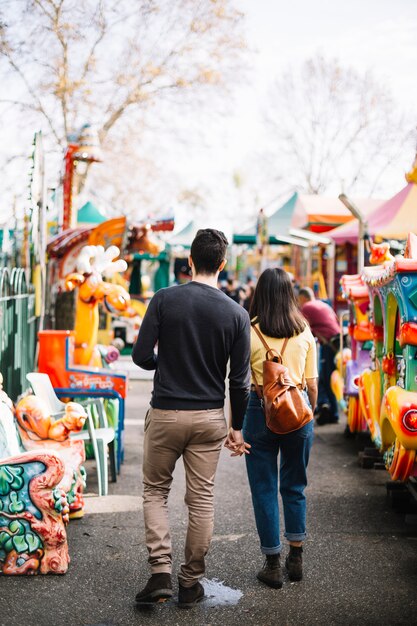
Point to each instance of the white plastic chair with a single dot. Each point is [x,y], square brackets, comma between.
[102,439]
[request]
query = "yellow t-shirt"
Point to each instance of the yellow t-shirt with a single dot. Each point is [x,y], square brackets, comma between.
[299,356]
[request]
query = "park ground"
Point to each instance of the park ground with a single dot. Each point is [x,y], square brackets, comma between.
[360,556]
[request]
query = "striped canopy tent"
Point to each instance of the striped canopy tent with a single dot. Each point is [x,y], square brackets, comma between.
[315,213]
[320,214]
[393,219]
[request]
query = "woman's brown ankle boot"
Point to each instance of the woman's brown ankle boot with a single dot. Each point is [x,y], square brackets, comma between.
[294,563]
[271,573]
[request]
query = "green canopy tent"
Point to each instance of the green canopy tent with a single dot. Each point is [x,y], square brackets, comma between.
[278,226]
[89,214]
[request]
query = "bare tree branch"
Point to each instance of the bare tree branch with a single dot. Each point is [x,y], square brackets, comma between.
[334,125]
[114,62]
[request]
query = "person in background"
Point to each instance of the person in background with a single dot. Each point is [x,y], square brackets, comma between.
[233,290]
[275,313]
[325,326]
[198,329]
[249,291]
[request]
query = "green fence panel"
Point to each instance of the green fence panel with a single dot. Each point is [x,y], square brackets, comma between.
[18,330]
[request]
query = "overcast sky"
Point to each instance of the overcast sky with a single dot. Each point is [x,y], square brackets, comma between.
[369,34]
[380,35]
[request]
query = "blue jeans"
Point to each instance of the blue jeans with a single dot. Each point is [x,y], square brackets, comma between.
[262,468]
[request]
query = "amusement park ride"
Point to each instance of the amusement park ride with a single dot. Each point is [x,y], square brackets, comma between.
[378,376]
[381,378]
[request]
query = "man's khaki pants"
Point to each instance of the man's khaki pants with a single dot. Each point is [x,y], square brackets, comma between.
[198,437]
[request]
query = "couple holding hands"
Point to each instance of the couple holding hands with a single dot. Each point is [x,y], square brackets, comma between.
[198,331]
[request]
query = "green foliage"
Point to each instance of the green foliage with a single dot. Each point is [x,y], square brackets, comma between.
[16,505]
[17,537]
[10,478]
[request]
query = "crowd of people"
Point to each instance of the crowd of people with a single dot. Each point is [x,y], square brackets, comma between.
[242,293]
[200,327]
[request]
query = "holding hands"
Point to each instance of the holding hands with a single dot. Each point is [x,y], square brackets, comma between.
[235,443]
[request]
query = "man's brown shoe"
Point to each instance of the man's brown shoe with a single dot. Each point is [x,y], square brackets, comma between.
[294,564]
[158,589]
[189,596]
[271,573]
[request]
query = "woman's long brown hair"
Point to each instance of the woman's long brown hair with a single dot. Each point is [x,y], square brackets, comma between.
[274,306]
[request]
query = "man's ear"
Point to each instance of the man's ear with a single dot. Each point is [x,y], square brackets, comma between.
[222,265]
[190,261]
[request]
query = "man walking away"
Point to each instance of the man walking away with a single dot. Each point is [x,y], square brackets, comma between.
[197,329]
[325,326]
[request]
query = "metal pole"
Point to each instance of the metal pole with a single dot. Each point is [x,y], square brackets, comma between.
[67,216]
[361,247]
[363,227]
[331,260]
[309,265]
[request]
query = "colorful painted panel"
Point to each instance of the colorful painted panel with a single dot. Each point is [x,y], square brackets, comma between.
[33,511]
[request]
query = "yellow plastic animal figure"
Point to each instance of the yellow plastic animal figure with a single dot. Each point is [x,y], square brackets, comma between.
[380,253]
[93,262]
[38,430]
[370,401]
[33,418]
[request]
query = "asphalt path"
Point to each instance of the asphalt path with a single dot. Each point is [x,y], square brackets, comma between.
[360,559]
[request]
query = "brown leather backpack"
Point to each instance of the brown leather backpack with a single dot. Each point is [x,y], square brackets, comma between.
[284,406]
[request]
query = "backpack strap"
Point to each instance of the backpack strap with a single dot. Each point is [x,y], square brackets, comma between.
[267,348]
[261,337]
[284,345]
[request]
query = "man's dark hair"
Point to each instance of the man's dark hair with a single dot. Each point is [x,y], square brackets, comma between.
[274,305]
[208,250]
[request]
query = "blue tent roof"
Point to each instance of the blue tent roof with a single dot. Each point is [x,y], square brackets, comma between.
[89,214]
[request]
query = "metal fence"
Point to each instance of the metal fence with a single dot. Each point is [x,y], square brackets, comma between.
[18,327]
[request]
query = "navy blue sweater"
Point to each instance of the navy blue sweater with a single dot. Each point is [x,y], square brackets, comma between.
[197,329]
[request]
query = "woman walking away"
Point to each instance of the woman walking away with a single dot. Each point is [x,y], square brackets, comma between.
[275,315]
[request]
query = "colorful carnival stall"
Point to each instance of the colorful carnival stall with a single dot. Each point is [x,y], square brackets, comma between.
[297,234]
[391,220]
